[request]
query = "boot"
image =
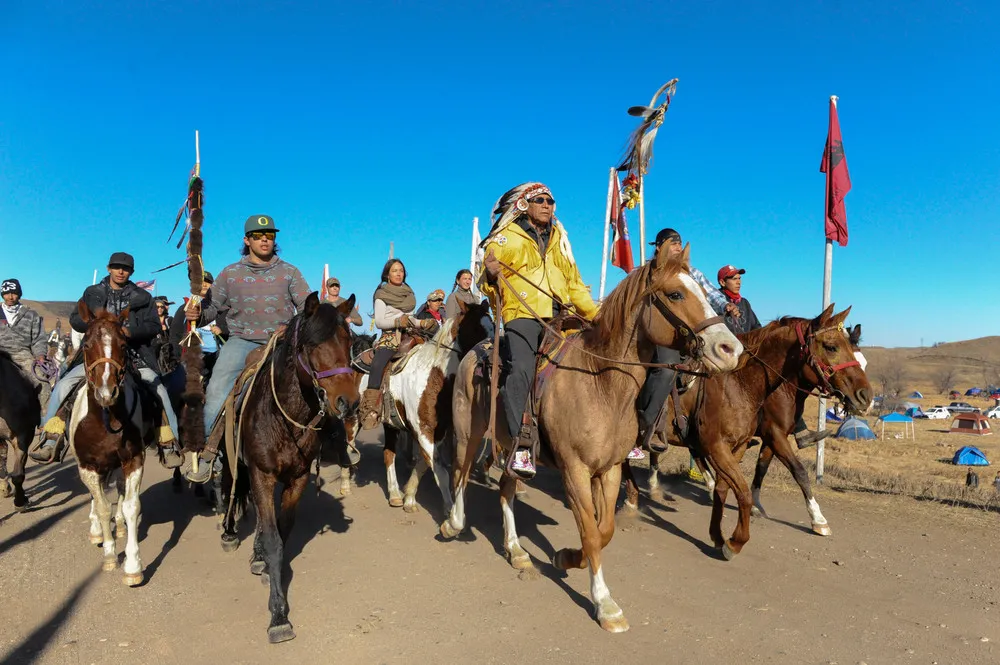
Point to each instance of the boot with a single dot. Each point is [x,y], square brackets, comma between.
[53,439]
[368,410]
[206,460]
[172,458]
[805,438]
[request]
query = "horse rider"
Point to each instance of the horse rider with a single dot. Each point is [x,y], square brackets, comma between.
[22,335]
[394,303]
[166,361]
[116,293]
[433,308]
[530,249]
[257,296]
[461,291]
[660,380]
[730,283]
[333,297]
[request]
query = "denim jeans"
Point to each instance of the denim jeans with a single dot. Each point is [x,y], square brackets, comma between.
[232,358]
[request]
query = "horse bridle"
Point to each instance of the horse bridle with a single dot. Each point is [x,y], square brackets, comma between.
[694,345]
[313,375]
[824,372]
[118,367]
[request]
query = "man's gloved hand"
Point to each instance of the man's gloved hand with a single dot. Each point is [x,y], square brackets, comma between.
[404,321]
[492,266]
[427,324]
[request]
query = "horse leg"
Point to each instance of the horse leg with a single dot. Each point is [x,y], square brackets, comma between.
[706,473]
[279,630]
[410,489]
[631,488]
[17,474]
[763,463]
[581,500]
[129,506]
[290,496]
[120,531]
[6,488]
[608,486]
[389,455]
[100,516]
[443,479]
[468,435]
[729,474]
[655,491]
[788,457]
[516,555]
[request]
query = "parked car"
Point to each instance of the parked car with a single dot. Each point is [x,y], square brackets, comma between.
[962,407]
[993,413]
[937,413]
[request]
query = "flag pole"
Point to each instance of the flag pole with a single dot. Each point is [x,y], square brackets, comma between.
[642,222]
[607,228]
[827,278]
[475,251]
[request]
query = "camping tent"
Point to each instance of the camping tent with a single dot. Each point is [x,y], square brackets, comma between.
[910,405]
[916,395]
[908,431]
[833,416]
[854,429]
[914,412]
[972,391]
[954,394]
[970,423]
[970,456]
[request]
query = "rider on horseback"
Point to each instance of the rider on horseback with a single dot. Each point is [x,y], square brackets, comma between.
[116,293]
[529,248]
[394,303]
[22,334]
[256,296]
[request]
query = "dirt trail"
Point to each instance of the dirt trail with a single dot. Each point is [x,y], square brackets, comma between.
[899,582]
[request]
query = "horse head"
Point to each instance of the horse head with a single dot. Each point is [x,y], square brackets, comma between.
[834,361]
[322,344]
[104,353]
[680,317]
[472,325]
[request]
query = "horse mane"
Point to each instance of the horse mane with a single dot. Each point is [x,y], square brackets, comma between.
[618,309]
[319,327]
[753,340]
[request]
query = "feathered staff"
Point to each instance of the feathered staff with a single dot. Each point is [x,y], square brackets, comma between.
[639,153]
[192,424]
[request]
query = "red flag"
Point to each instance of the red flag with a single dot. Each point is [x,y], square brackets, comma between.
[838,180]
[621,249]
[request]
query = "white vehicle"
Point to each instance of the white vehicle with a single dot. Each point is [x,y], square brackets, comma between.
[937,413]
[993,413]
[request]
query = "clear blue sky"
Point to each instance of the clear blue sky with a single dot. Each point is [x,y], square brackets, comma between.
[357,124]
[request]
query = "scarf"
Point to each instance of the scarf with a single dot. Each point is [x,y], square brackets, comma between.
[11,313]
[401,297]
[465,295]
[734,298]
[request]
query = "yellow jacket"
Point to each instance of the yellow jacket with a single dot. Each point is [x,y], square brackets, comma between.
[556,273]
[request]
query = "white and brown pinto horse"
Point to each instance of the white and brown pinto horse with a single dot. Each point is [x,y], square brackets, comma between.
[111,424]
[421,395]
[587,419]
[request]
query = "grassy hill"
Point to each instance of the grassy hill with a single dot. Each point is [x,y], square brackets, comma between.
[974,362]
[53,311]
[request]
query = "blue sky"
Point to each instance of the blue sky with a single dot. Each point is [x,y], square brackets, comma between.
[357,124]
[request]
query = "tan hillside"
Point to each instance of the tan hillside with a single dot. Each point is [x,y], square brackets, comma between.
[974,362]
[53,311]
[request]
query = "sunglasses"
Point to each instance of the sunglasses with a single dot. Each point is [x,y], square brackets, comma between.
[260,235]
[539,200]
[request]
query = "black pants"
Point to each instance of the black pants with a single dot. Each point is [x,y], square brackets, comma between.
[519,352]
[659,382]
[379,363]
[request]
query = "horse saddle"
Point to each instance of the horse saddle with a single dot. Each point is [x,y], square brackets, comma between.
[363,361]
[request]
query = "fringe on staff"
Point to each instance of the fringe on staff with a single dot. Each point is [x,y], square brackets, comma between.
[193,422]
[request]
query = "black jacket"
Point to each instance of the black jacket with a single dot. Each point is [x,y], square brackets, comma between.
[747,321]
[142,325]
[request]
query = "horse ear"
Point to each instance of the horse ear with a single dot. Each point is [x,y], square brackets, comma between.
[838,319]
[485,303]
[312,304]
[820,321]
[855,335]
[346,307]
[84,311]
[685,257]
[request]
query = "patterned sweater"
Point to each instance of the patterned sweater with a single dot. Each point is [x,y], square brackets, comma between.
[256,299]
[24,334]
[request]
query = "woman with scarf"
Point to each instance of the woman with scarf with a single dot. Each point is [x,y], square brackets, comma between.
[460,292]
[394,305]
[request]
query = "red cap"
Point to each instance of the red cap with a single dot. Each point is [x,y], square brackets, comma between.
[729,271]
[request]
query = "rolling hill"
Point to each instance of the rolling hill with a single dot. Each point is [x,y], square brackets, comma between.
[974,362]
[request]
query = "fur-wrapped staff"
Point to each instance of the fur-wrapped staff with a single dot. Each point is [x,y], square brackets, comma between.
[639,153]
[192,423]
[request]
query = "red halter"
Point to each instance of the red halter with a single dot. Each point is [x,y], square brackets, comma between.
[823,371]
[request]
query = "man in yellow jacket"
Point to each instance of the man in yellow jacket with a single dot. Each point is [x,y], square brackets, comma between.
[530,248]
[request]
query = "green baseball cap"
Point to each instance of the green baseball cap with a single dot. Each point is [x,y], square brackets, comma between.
[259,223]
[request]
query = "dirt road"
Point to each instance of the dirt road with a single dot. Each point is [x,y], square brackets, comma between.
[898,582]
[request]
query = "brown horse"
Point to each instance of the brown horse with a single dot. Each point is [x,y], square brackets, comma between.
[587,417]
[20,413]
[306,379]
[111,423]
[785,362]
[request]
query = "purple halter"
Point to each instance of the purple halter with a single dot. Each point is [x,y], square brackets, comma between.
[314,375]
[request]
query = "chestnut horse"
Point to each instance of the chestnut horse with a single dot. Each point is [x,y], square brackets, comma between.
[20,413]
[587,419]
[112,422]
[785,362]
[306,379]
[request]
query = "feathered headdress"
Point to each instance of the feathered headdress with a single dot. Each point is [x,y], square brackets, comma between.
[639,148]
[514,203]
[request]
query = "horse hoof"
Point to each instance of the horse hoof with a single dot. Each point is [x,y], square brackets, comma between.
[7,490]
[230,543]
[756,512]
[110,563]
[558,560]
[520,562]
[23,508]
[727,552]
[265,580]
[448,531]
[258,567]
[395,501]
[822,529]
[96,540]
[616,624]
[630,507]
[410,507]
[134,579]
[345,491]
[282,633]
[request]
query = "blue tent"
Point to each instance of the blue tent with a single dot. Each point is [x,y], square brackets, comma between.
[854,429]
[973,391]
[831,415]
[915,412]
[970,456]
[896,418]
[916,395]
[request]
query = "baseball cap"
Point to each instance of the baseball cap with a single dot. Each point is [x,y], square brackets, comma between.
[436,294]
[729,271]
[333,281]
[259,223]
[207,277]
[122,259]
[664,235]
